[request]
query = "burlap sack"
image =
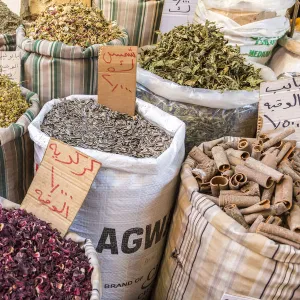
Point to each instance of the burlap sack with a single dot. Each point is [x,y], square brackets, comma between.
[55,70]
[209,254]
[16,153]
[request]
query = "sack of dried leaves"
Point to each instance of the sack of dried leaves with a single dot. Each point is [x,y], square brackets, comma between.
[193,74]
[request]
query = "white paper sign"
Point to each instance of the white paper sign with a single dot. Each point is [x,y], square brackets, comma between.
[279,106]
[177,12]
[10,64]
[233,297]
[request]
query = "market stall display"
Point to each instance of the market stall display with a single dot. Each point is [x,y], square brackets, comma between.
[36,262]
[18,107]
[193,74]
[60,50]
[127,209]
[237,210]
[253,26]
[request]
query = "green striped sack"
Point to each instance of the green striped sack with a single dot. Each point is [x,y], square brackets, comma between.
[7,42]
[56,70]
[141,18]
[16,153]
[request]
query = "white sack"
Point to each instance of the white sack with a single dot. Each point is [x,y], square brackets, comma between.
[128,206]
[256,40]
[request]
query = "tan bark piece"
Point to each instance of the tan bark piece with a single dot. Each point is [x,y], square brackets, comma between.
[261,167]
[238,153]
[228,173]
[256,151]
[253,175]
[285,149]
[217,184]
[270,160]
[220,158]
[232,211]
[251,188]
[294,219]
[237,181]
[245,145]
[260,206]
[279,137]
[285,168]
[268,193]
[239,201]
[284,192]
[255,224]
[234,161]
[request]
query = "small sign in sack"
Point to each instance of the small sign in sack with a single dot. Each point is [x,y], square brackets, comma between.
[279,107]
[10,64]
[117,78]
[60,186]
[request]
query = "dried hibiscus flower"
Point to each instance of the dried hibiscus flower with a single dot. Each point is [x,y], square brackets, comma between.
[37,263]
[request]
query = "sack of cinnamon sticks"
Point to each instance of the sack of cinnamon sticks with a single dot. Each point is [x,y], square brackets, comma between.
[236,227]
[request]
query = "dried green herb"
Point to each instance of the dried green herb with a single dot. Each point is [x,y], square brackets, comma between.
[74,25]
[198,56]
[12,103]
[9,21]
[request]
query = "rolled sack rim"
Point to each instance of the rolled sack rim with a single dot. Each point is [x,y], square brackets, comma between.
[237,232]
[171,124]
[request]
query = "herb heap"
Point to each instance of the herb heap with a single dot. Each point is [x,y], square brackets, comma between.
[198,56]
[12,103]
[37,263]
[87,124]
[9,21]
[255,181]
[74,25]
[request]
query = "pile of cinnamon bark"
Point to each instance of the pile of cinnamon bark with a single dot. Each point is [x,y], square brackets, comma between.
[255,181]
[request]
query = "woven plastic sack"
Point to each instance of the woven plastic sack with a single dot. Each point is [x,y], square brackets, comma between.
[141,18]
[55,70]
[8,42]
[208,254]
[207,114]
[16,153]
[89,249]
[127,209]
[256,39]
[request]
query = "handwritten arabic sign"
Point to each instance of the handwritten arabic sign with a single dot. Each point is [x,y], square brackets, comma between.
[61,184]
[117,78]
[177,12]
[10,64]
[279,106]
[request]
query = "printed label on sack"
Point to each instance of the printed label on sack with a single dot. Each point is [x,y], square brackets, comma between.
[234,297]
[10,64]
[117,78]
[61,184]
[279,107]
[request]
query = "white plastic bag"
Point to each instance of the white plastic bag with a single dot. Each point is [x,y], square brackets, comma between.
[256,40]
[127,210]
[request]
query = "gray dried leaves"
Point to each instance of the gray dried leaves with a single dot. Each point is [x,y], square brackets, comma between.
[87,124]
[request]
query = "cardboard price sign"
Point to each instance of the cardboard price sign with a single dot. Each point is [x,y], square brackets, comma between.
[279,107]
[60,186]
[10,64]
[117,78]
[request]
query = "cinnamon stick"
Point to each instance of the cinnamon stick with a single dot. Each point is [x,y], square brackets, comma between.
[238,153]
[255,224]
[279,239]
[251,188]
[228,173]
[294,219]
[285,149]
[232,211]
[273,141]
[284,192]
[270,160]
[277,221]
[260,206]
[285,168]
[270,219]
[234,161]
[237,181]
[263,137]
[260,167]
[220,158]
[244,145]
[239,201]
[256,151]
[261,178]
[217,184]
[268,193]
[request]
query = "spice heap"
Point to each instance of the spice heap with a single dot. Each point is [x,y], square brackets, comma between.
[37,263]
[256,182]
[198,56]
[74,25]
[9,21]
[87,124]
[12,103]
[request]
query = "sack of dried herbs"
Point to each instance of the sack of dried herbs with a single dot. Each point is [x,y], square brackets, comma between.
[18,107]
[60,50]
[192,74]
[253,26]
[37,263]
[208,252]
[127,210]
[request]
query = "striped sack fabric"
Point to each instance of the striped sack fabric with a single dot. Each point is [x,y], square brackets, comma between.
[7,42]
[16,153]
[55,70]
[209,254]
[141,18]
